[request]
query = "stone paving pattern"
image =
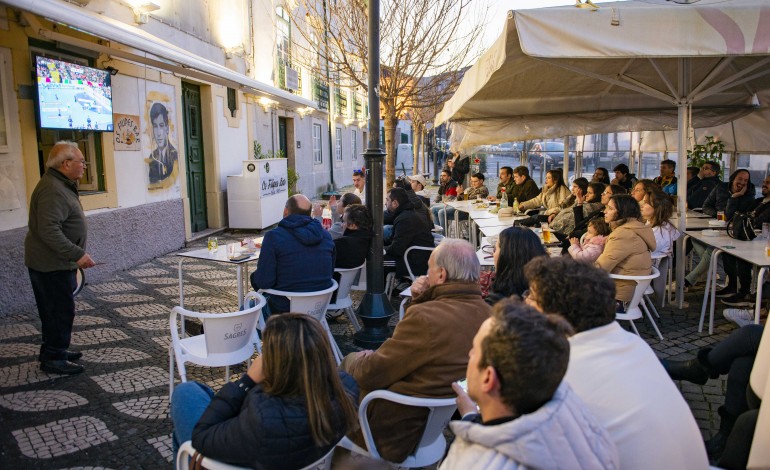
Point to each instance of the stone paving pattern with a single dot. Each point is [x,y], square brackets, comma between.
[115,415]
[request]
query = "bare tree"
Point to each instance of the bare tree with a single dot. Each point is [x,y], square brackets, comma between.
[425,45]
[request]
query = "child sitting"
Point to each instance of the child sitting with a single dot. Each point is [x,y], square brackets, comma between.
[593,242]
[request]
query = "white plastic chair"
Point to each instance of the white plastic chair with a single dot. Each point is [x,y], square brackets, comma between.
[186,451]
[360,283]
[662,285]
[228,339]
[406,258]
[634,308]
[432,443]
[343,301]
[313,304]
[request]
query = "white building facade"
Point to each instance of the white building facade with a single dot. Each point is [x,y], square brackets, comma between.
[224,74]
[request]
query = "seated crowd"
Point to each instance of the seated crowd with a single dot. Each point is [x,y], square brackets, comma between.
[553,381]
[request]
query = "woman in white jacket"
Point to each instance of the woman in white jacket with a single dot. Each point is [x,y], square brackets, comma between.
[551,197]
[657,210]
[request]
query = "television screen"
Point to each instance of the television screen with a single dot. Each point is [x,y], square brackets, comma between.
[72,96]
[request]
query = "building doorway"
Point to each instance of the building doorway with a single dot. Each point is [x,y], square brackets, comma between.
[193,144]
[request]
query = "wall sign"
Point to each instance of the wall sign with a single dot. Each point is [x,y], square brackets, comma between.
[127,132]
[275,183]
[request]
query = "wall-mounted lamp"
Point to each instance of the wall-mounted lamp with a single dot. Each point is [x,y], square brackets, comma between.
[267,103]
[305,111]
[142,12]
[113,71]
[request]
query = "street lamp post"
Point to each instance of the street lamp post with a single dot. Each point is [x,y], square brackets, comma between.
[375,309]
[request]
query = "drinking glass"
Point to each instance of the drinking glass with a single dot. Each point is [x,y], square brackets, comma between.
[766,231]
[231,250]
[721,215]
[546,233]
[213,245]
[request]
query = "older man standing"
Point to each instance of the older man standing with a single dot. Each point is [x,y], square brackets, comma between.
[53,250]
[428,350]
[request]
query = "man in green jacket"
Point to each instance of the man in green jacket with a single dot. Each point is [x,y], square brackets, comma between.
[53,250]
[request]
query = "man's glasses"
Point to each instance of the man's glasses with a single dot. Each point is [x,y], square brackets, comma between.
[82,162]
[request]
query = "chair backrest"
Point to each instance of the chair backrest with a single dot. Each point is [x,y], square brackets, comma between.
[440,412]
[347,277]
[310,303]
[224,332]
[186,451]
[412,275]
[361,283]
[642,283]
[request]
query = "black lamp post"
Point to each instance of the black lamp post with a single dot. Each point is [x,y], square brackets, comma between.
[375,309]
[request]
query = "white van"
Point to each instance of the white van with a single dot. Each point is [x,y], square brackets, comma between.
[404,159]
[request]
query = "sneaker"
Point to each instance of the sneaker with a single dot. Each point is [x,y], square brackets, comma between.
[738,300]
[742,316]
[726,291]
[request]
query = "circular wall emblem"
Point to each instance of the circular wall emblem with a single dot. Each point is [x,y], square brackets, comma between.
[251,167]
[267,167]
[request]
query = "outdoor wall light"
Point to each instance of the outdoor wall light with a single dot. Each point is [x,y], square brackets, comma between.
[267,103]
[113,71]
[305,111]
[142,12]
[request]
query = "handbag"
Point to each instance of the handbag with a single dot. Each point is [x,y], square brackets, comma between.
[741,227]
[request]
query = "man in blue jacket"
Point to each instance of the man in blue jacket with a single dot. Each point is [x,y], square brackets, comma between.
[296,256]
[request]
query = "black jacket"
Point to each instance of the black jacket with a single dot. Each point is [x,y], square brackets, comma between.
[352,248]
[409,229]
[698,193]
[760,213]
[245,426]
[721,199]
[461,168]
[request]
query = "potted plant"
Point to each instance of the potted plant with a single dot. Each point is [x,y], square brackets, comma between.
[710,151]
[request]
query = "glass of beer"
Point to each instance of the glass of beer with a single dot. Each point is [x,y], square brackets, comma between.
[213,245]
[721,216]
[546,233]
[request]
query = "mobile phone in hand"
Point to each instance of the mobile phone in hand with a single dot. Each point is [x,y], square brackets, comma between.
[464,384]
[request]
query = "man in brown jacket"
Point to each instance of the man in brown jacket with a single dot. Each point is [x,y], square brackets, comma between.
[428,350]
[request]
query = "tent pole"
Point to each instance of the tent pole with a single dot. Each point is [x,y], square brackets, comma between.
[683,108]
[566,161]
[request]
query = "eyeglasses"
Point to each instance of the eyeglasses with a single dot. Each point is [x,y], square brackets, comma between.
[82,162]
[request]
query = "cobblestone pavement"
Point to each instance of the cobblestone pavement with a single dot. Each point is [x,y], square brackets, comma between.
[115,415]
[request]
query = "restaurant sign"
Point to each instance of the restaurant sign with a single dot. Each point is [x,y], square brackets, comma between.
[273,181]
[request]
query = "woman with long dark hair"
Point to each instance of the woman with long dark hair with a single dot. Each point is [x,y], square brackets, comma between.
[627,249]
[554,192]
[290,408]
[514,248]
[601,175]
[657,210]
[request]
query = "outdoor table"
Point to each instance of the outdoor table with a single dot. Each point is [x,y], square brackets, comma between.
[753,252]
[485,259]
[690,214]
[220,256]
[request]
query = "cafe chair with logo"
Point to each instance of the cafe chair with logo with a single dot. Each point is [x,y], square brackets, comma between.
[343,301]
[228,339]
[314,304]
[187,452]
[432,444]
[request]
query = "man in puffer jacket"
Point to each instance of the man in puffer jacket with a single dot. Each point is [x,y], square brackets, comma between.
[296,256]
[529,417]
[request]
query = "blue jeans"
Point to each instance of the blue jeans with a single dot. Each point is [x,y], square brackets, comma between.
[703,265]
[439,212]
[189,401]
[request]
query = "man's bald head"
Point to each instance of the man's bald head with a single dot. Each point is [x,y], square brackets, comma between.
[299,205]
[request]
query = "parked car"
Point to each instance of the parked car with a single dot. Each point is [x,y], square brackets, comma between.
[549,155]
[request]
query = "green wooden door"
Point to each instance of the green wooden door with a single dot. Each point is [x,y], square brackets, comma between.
[282,145]
[193,143]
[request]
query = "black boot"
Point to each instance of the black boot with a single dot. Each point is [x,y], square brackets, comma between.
[695,370]
[716,445]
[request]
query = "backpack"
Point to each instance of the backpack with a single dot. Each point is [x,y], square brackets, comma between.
[741,227]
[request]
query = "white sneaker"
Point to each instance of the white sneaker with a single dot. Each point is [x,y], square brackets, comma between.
[742,316]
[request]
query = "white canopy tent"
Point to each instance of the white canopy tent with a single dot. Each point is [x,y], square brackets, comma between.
[628,66]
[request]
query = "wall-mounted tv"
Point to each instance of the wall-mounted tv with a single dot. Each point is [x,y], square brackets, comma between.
[73,96]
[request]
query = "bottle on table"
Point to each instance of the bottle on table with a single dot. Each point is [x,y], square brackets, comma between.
[504,200]
[326,219]
[515,205]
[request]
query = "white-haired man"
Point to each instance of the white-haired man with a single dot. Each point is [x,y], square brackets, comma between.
[428,350]
[55,247]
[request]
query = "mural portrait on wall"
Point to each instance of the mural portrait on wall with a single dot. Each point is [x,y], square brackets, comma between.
[163,159]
